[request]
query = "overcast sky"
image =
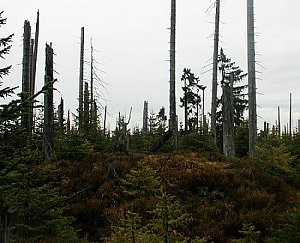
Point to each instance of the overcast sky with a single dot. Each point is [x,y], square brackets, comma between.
[132,42]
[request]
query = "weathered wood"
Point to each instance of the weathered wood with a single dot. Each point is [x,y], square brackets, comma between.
[215,73]
[290,118]
[48,105]
[173,116]
[35,53]
[228,118]
[60,112]
[104,123]
[161,141]
[279,122]
[68,122]
[25,120]
[145,118]
[251,79]
[81,70]
[86,111]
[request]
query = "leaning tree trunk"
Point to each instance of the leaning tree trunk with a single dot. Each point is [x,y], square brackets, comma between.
[251,79]
[215,74]
[173,117]
[25,120]
[80,109]
[48,105]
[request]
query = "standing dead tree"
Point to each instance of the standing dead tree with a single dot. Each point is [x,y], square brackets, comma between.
[251,79]
[25,120]
[228,117]
[48,105]
[145,118]
[173,116]
[30,49]
[81,70]
[214,96]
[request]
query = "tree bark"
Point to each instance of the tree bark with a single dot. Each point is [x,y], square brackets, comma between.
[251,79]
[48,105]
[80,109]
[215,73]
[173,116]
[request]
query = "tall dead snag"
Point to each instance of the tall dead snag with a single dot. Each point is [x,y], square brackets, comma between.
[279,122]
[86,112]
[25,121]
[214,95]
[290,119]
[145,118]
[68,122]
[48,104]
[251,79]
[80,109]
[173,116]
[60,114]
[228,118]
[104,122]
[35,53]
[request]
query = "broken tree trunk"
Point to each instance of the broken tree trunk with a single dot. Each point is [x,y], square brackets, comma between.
[215,74]
[80,109]
[251,79]
[35,52]
[60,112]
[48,105]
[25,120]
[145,118]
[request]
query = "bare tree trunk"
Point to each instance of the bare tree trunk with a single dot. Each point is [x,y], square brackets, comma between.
[228,119]
[35,53]
[215,74]
[279,122]
[290,119]
[298,126]
[251,79]
[48,105]
[80,109]
[25,121]
[173,116]
[60,112]
[145,118]
[86,113]
[104,125]
[92,75]
[185,108]
[68,122]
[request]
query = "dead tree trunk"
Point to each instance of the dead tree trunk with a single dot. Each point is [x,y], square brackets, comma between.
[173,116]
[86,113]
[48,105]
[60,112]
[104,123]
[279,122]
[68,122]
[80,109]
[228,118]
[251,79]
[145,118]
[35,53]
[25,121]
[290,119]
[215,73]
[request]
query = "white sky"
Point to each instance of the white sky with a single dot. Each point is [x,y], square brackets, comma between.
[132,39]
